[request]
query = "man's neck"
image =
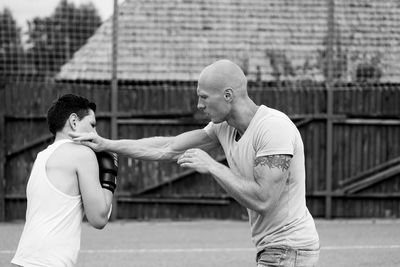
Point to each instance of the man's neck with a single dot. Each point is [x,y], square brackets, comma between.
[241,119]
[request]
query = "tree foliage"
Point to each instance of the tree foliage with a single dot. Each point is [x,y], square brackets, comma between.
[11,53]
[54,39]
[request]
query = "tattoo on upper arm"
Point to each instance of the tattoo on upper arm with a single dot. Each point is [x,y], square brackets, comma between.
[274,161]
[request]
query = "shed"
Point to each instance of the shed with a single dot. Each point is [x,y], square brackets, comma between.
[269,39]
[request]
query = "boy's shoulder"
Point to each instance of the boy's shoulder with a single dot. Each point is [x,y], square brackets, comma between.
[76,151]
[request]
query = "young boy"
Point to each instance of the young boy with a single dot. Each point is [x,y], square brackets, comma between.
[65,183]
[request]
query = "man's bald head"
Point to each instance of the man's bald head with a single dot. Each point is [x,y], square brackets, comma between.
[223,74]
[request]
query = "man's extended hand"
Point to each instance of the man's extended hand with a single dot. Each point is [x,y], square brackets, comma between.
[92,140]
[196,159]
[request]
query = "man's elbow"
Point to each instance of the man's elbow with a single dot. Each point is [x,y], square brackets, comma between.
[262,206]
[169,153]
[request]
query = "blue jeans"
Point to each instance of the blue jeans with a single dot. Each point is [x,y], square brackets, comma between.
[287,257]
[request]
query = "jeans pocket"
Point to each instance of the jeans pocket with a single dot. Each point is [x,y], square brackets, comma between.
[271,257]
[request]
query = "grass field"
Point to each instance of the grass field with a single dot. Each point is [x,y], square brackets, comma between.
[210,243]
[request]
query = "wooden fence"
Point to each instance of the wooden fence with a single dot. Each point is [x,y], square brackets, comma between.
[364,159]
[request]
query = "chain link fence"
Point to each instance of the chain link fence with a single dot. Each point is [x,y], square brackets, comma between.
[173,40]
[332,65]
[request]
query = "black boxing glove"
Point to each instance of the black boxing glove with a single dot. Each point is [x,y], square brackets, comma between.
[108,169]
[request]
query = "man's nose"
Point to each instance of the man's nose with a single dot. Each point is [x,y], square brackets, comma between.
[200,105]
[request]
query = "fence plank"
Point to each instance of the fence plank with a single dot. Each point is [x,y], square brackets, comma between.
[2,153]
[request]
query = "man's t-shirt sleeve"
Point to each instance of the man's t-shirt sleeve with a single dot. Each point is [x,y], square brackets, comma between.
[275,136]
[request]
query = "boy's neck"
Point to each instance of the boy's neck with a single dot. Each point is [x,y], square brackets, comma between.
[61,136]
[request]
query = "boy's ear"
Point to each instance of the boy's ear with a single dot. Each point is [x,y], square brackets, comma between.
[73,118]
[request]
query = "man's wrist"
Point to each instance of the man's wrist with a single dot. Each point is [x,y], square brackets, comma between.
[107,144]
[215,168]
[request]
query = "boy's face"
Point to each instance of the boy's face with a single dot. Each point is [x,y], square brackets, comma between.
[87,124]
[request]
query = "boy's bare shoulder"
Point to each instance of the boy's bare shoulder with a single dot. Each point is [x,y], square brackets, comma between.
[79,151]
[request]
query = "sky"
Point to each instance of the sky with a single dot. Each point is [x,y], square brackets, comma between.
[24,10]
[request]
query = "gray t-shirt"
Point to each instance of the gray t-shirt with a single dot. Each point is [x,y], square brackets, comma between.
[288,221]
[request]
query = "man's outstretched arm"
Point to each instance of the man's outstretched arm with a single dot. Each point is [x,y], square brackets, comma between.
[152,148]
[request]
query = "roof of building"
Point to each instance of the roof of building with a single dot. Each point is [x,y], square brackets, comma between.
[176,39]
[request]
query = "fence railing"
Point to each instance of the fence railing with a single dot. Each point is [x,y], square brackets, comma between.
[363,140]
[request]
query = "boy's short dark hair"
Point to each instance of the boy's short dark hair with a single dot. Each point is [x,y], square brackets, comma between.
[63,107]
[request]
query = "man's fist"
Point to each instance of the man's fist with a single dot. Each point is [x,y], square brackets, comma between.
[108,169]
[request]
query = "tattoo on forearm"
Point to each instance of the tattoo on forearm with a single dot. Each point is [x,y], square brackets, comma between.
[274,161]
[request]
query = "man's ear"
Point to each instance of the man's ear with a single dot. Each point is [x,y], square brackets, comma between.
[228,94]
[73,118]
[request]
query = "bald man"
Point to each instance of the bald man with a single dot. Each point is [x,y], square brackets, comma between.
[265,154]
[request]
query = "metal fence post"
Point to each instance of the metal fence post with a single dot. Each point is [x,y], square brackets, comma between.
[329,95]
[114,90]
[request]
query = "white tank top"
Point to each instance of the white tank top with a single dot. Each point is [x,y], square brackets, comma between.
[52,231]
